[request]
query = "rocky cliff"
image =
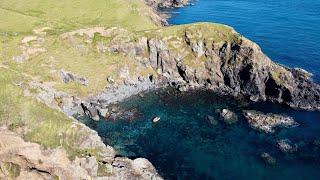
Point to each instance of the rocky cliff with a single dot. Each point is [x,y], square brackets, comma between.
[166,3]
[75,64]
[209,56]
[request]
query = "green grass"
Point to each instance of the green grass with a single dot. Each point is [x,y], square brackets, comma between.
[37,122]
[11,169]
[22,16]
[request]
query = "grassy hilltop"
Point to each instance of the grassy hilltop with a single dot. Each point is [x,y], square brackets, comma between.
[20,18]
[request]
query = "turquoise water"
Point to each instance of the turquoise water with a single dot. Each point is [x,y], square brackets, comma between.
[287,30]
[185,145]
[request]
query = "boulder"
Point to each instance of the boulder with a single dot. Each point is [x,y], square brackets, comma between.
[267,122]
[68,77]
[228,116]
[103,112]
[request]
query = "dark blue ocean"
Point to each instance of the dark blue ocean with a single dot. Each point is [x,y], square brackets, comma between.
[287,30]
[184,144]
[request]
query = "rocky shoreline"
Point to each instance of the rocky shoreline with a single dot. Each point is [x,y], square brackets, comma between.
[196,56]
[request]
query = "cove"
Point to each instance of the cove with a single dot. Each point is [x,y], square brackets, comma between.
[185,145]
[287,30]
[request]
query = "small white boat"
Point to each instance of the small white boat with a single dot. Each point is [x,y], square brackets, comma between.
[156,119]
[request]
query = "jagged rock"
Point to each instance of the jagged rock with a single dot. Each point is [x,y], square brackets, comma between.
[31,157]
[64,102]
[266,122]
[183,88]
[25,160]
[228,116]
[103,112]
[285,145]
[136,169]
[299,72]
[91,111]
[90,164]
[166,3]
[212,120]
[68,77]
[268,159]
[110,79]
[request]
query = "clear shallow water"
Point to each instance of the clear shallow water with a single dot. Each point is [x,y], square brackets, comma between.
[185,145]
[287,30]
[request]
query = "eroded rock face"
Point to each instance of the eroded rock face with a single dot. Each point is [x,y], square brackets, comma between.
[237,67]
[267,122]
[166,3]
[24,160]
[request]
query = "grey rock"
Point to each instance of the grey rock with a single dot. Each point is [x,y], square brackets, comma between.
[228,116]
[267,122]
[68,77]
[285,145]
[110,80]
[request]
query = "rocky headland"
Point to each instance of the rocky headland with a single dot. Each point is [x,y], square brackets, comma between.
[81,68]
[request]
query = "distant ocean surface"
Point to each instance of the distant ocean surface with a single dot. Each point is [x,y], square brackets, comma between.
[288,31]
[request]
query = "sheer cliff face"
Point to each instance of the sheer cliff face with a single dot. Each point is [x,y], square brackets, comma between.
[216,57]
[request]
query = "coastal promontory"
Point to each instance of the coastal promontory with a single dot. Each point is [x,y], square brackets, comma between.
[60,60]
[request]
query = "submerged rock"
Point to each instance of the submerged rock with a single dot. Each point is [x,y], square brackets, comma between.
[267,122]
[228,116]
[212,120]
[316,142]
[285,145]
[268,159]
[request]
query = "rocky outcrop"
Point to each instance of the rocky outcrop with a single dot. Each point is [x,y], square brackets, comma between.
[166,3]
[267,122]
[69,77]
[228,116]
[24,160]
